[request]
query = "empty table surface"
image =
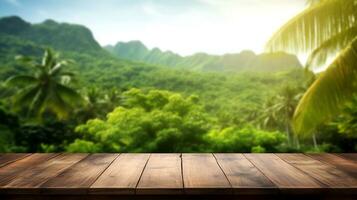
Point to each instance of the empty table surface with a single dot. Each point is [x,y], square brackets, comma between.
[230,174]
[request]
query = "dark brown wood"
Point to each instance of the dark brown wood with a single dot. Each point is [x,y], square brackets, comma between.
[169,176]
[244,177]
[162,175]
[348,166]
[324,173]
[79,177]
[348,156]
[10,171]
[202,175]
[122,176]
[286,177]
[175,197]
[9,158]
[28,181]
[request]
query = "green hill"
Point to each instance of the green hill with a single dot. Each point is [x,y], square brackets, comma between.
[98,68]
[60,36]
[244,61]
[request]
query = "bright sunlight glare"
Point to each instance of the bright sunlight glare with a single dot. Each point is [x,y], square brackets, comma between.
[184,27]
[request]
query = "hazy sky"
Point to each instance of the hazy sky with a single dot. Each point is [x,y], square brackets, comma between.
[183,26]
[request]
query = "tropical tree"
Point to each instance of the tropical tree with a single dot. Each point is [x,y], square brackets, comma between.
[46,90]
[279,111]
[326,29]
[153,121]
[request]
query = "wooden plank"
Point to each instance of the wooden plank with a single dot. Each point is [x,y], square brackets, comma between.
[348,156]
[10,171]
[345,165]
[244,177]
[78,178]
[8,158]
[322,172]
[202,175]
[29,180]
[122,176]
[162,175]
[286,177]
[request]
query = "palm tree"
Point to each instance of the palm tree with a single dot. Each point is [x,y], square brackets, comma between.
[46,89]
[280,110]
[327,28]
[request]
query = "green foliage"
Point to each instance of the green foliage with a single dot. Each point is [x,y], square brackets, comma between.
[47,89]
[61,36]
[245,139]
[238,62]
[173,110]
[156,121]
[348,120]
[82,146]
[323,29]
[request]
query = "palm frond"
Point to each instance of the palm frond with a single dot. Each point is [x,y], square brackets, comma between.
[21,80]
[66,73]
[58,105]
[328,93]
[38,104]
[314,26]
[331,47]
[25,96]
[24,59]
[69,95]
[49,59]
[56,69]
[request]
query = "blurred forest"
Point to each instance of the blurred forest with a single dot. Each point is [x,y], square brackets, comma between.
[61,91]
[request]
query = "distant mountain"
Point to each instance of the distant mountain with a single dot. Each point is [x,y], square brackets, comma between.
[20,37]
[243,61]
[76,42]
[60,36]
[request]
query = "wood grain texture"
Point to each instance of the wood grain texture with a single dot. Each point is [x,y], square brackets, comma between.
[168,176]
[348,166]
[244,177]
[162,175]
[122,176]
[28,181]
[285,176]
[348,156]
[10,171]
[79,177]
[201,174]
[324,173]
[9,158]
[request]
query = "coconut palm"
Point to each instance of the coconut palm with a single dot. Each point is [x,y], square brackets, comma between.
[47,89]
[326,29]
[280,110]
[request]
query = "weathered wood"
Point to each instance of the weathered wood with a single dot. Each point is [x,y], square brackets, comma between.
[162,175]
[9,158]
[348,166]
[348,156]
[202,175]
[324,173]
[122,176]
[10,171]
[244,177]
[28,181]
[155,176]
[79,177]
[286,177]
[173,197]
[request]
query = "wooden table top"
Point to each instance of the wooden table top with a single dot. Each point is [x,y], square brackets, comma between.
[176,174]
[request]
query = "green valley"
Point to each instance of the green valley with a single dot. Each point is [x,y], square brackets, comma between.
[139,100]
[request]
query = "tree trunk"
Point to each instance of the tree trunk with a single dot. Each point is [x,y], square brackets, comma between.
[297,142]
[315,142]
[288,134]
